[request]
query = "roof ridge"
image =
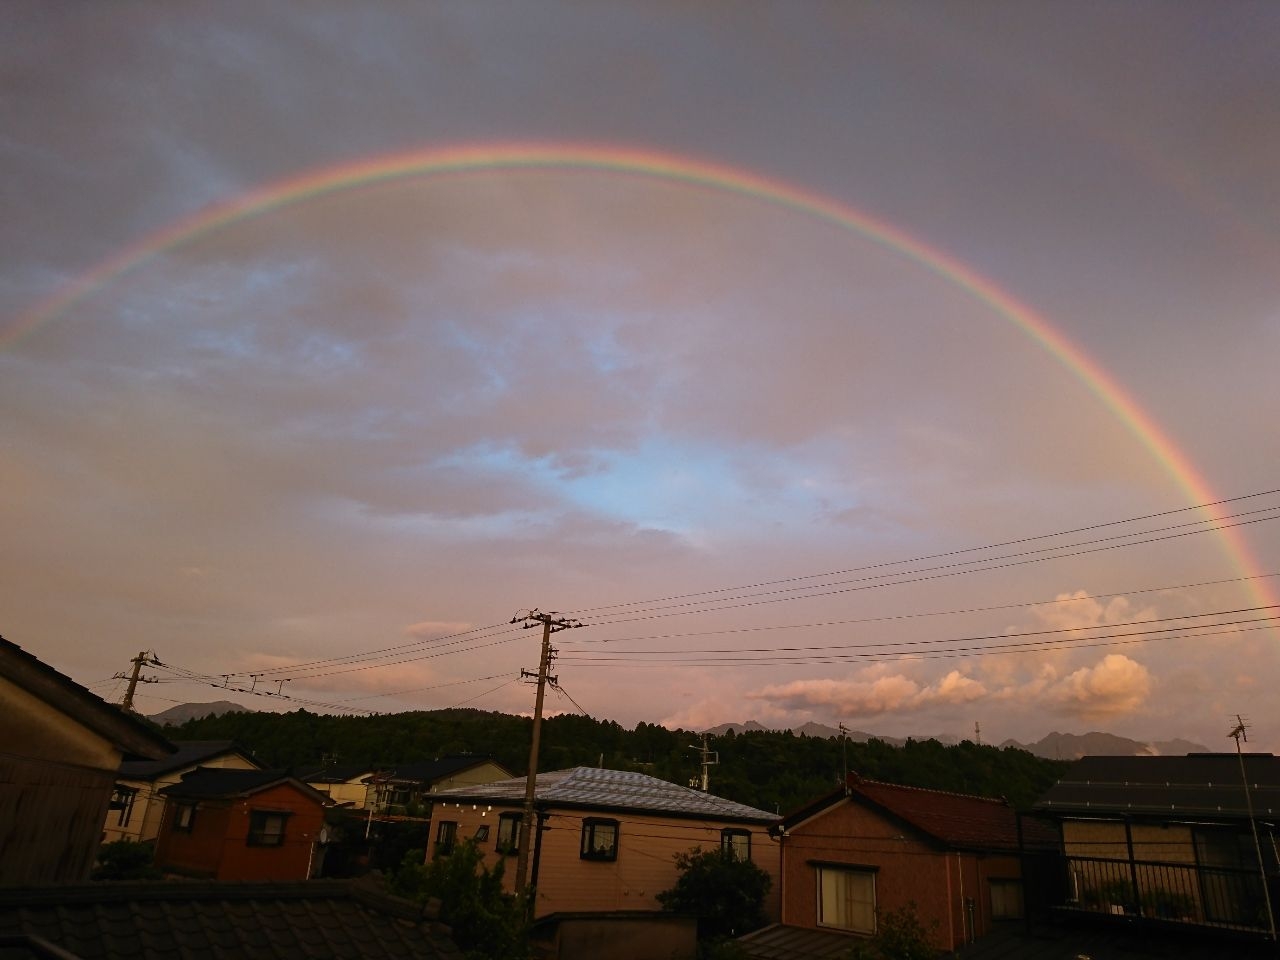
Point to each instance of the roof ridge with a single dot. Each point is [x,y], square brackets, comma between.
[998,801]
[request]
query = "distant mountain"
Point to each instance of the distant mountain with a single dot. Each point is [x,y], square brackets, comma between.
[194,711]
[1072,746]
[1054,746]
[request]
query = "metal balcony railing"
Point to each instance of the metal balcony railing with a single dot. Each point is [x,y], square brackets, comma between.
[1172,892]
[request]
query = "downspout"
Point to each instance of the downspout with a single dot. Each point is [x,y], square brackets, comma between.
[951,904]
[964,924]
[541,817]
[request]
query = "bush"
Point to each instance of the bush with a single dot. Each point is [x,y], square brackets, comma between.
[125,860]
[488,923]
[899,936]
[725,894]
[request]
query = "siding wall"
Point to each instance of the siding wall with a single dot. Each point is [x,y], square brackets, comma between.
[51,810]
[908,870]
[644,868]
[218,845]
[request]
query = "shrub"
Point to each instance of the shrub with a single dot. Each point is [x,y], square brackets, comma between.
[725,893]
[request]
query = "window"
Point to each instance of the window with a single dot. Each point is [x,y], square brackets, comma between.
[122,800]
[847,899]
[446,836]
[482,833]
[184,817]
[599,839]
[509,833]
[736,844]
[266,828]
[1006,899]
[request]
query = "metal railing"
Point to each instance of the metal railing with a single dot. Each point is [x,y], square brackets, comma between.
[1171,892]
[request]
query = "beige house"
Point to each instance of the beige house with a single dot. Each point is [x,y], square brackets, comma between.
[607,838]
[397,788]
[136,804]
[61,749]
[346,784]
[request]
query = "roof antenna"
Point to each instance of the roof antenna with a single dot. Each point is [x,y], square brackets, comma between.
[1240,733]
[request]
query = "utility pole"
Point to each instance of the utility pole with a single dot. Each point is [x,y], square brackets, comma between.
[977,733]
[551,623]
[147,657]
[844,757]
[707,763]
[1239,733]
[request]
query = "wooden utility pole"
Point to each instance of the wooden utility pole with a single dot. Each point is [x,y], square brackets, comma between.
[147,657]
[1238,733]
[551,623]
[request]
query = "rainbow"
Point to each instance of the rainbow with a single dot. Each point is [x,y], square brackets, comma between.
[559,157]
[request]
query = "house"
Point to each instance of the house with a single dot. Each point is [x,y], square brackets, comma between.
[396,788]
[346,784]
[224,824]
[136,804]
[318,919]
[1171,839]
[607,838]
[870,847]
[62,748]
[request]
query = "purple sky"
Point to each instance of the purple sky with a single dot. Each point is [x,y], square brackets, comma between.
[386,416]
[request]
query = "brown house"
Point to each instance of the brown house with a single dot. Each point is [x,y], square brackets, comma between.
[61,749]
[608,837]
[875,847]
[241,825]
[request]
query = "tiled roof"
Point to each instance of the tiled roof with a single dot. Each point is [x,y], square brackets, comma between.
[127,733]
[188,754]
[593,788]
[335,772]
[955,820]
[207,783]
[318,919]
[1199,784]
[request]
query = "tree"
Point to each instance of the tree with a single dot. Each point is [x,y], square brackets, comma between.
[725,893]
[487,923]
[125,860]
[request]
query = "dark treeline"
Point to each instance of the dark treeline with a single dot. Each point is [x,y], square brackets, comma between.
[772,770]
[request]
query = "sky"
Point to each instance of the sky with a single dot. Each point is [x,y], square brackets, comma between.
[835,362]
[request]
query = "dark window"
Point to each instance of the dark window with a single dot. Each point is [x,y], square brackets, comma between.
[446,836]
[266,828]
[122,800]
[184,817]
[482,833]
[509,833]
[736,844]
[599,839]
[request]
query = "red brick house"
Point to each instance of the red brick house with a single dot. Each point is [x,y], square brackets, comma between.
[874,847]
[225,824]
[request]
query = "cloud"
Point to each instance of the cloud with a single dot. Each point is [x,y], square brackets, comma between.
[873,696]
[1080,611]
[1113,686]
[435,629]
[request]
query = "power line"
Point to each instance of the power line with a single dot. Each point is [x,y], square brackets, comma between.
[934,556]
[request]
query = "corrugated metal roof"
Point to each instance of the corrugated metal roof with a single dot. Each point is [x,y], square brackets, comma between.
[1199,784]
[591,787]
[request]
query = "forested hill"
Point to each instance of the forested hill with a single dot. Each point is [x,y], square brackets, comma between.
[771,770]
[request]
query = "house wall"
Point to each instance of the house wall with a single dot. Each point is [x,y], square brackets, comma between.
[51,810]
[482,773]
[218,846]
[352,792]
[908,870]
[148,807]
[645,865]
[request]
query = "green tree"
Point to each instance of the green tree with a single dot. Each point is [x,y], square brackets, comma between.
[488,923]
[725,893]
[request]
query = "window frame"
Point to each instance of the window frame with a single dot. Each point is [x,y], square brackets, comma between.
[482,833]
[184,815]
[259,834]
[589,848]
[729,847]
[846,871]
[510,847]
[446,837]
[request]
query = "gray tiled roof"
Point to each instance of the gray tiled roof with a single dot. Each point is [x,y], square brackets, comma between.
[318,919]
[593,788]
